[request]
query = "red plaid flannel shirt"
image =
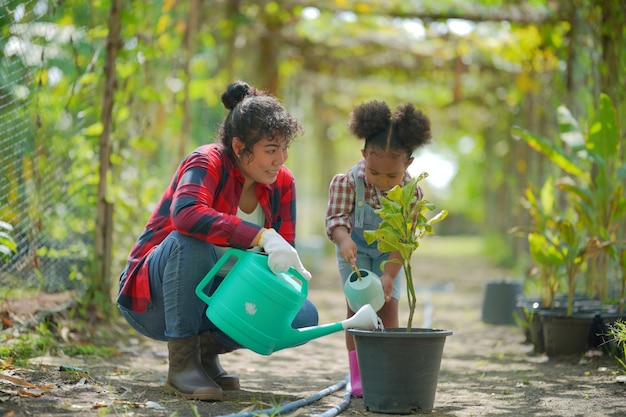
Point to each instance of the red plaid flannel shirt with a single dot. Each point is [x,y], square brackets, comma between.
[201,201]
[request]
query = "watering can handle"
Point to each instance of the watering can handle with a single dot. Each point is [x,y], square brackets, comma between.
[211,274]
[304,283]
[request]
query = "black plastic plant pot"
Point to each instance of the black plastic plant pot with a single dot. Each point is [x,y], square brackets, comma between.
[566,335]
[399,369]
[499,301]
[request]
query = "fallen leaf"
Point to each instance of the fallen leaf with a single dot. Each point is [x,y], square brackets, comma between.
[17,381]
[6,322]
[21,382]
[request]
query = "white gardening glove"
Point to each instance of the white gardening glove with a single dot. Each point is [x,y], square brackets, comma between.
[281,255]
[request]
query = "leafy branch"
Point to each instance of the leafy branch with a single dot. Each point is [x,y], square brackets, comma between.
[403,224]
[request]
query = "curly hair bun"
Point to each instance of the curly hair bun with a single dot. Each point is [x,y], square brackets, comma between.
[370,118]
[236,92]
[407,129]
[413,127]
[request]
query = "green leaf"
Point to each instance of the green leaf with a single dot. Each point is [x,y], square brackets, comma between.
[6,241]
[395,194]
[551,150]
[388,242]
[546,196]
[581,192]
[370,236]
[603,139]
[602,146]
[438,217]
[5,225]
[543,251]
[568,233]
[95,129]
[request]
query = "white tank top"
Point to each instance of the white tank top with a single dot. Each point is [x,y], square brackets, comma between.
[257,217]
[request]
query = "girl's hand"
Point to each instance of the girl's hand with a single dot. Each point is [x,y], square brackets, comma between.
[347,250]
[387,281]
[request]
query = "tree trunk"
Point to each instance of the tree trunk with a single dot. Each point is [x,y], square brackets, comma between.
[190,41]
[100,285]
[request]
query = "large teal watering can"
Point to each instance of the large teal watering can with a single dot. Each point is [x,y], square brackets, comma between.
[256,307]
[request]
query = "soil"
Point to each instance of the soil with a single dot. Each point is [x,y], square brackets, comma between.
[487,370]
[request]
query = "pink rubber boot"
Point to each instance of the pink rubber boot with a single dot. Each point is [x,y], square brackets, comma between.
[355,375]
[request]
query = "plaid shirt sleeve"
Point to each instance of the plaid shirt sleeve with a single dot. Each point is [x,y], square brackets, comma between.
[201,201]
[340,202]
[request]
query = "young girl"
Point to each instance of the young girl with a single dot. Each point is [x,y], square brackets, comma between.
[390,141]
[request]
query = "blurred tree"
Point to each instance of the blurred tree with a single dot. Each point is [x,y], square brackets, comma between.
[475,68]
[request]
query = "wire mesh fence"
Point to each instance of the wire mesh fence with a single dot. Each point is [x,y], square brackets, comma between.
[46,230]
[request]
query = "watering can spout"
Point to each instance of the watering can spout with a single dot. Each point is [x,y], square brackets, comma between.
[364,319]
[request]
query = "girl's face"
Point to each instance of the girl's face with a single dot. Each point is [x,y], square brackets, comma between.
[263,164]
[385,169]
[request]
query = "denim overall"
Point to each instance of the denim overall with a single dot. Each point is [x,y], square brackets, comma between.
[368,256]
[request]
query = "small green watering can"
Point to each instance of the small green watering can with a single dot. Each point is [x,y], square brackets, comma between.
[364,287]
[256,307]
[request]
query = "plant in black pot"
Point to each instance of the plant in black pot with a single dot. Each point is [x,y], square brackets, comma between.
[540,205]
[593,163]
[588,226]
[400,366]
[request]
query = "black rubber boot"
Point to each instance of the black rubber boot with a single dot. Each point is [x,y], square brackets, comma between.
[210,347]
[186,376]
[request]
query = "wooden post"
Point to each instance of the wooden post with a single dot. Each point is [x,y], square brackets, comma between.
[100,283]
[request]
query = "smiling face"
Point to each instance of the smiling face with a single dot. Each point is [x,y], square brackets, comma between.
[385,169]
[265,160]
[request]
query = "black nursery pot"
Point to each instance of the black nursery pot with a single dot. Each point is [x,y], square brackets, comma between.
[528,312]
[500,300]
[566,335]
[399,369]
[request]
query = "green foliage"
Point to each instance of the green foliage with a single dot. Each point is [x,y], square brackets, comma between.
[26,346]
[88,350]
[43,341]
[470,84]
[7,244]
[592,232]
[403,225]
[617,333]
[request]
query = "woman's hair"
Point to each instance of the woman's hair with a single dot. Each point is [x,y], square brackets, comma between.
[405,130]
[254,115]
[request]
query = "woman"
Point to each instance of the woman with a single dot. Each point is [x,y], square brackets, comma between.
[235,193]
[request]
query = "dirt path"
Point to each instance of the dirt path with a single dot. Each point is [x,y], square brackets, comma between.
[487,370]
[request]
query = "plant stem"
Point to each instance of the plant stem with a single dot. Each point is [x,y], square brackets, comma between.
[410,290]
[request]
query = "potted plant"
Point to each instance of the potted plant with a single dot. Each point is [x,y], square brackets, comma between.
[568,331]
[545,261]
[400,366]
[586,234]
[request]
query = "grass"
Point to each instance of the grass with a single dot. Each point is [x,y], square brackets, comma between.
[617,333]
[43,340]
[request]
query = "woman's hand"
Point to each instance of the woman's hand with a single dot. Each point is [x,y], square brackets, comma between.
[281,255]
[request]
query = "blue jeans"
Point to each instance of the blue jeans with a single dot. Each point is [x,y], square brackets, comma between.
[176,268]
